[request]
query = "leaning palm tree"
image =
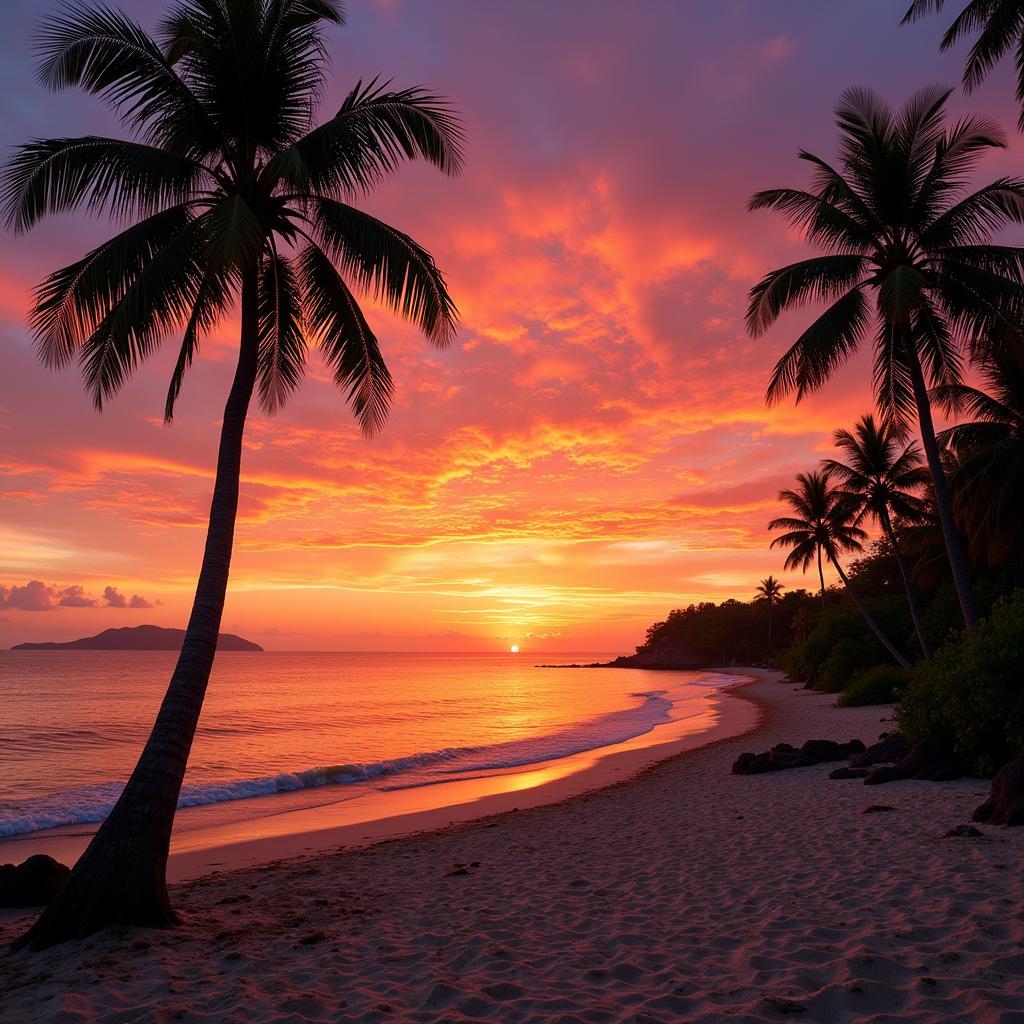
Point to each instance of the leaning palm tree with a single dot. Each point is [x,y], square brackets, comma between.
[880,480]
[769,590]
[907,255]
[999,25]
[988,481]
[821,529]
[233,195]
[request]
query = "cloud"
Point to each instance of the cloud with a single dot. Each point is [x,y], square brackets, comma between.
[36,596]
[76,597]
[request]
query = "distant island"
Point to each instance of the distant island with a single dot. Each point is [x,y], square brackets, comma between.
[139,638]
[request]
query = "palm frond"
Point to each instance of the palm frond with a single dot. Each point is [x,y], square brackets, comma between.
[337,324]
[821,279]
[70,303]
[282,348]
[821,349]
[389,265]
[366,141]
[102,51]
[113,176]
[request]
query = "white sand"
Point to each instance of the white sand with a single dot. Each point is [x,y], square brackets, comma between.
[684,894]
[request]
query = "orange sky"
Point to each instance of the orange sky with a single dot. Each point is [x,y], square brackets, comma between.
[593,450]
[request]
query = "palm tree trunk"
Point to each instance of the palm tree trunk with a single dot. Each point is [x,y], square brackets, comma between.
[869,619]
[821,576]
[905,573]
[943,502]
[121,877]
[771,616]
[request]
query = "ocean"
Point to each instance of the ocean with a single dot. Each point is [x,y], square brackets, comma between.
[284,730]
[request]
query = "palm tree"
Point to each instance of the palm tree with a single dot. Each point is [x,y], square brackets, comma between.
[988,481]
[821,528]
[907,253]
[1000,28]
[769,590]
[232,195]
[878,480]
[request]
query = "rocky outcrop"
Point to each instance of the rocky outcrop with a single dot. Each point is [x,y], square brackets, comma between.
[1005,805]
[888,750]
[931,760]
[784,755]
[32,883]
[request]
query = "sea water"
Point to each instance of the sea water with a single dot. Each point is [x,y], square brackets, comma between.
[72,723]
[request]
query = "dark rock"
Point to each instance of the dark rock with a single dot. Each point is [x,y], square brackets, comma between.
[882,774]
[891,748]
[1005,805]
[824,750]
[965,831]
[752,764]
[877,809]
[849,773]
[854,747]
[934,760]
[784,756]
[783,759]
[940,773]
[33,883]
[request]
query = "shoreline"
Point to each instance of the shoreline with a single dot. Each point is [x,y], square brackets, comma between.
[679,894]
[294,832]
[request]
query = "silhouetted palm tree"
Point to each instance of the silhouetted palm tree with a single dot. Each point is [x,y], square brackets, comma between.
[820,528]
[769,590]
[999,25]
[233,195]
[988,481]
[879,479]
[906,252]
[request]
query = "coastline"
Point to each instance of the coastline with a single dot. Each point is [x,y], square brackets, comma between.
[279,831]
[681,893]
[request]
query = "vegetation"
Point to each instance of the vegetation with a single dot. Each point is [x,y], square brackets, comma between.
[822,526]
[770,590]
[879,480]
[234,196]
[879,685]
[970,692]
[908,259]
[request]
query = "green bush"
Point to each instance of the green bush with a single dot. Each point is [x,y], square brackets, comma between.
[971,692]
[841,646]
[879,685]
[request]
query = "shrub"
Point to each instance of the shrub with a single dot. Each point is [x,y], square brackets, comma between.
[841,646]
[972,692]
[879,685]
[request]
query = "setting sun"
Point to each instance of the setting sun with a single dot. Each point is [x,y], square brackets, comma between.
[514,649]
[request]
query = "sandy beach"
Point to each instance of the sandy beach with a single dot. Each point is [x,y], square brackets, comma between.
[681,894]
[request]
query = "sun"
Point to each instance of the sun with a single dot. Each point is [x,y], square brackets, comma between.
[514,649]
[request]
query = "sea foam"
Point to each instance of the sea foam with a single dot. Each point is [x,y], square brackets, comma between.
[92,803]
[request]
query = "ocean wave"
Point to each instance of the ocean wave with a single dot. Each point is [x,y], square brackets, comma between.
[91,804]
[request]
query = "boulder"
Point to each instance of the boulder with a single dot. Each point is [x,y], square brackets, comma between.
[883,773]
[1005,805]
[33,883]
[934,760]
[849,773]
[790,758]
[892,747]
[751,764]
[829,750]
[964,832]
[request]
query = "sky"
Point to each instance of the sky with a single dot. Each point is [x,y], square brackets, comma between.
[594,448]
